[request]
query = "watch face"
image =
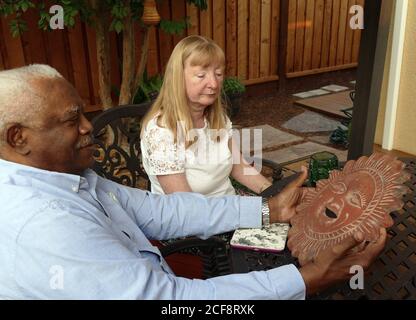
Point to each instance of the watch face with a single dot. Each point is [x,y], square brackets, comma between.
[359,198]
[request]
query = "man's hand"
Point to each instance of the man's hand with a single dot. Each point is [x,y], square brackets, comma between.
[282,206]
[333,264]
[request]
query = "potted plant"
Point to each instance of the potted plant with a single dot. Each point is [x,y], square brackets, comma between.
[233,90]
[149,88]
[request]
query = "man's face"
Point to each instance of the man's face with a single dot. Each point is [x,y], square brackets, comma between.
[63,143]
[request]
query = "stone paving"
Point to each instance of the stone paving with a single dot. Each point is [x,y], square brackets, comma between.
[320,139]
[311,122]
[292,151]
[300,152]
[271,138]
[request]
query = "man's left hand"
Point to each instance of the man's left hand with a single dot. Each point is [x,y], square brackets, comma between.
[283,205]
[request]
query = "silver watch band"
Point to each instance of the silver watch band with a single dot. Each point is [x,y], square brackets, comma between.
[265,212]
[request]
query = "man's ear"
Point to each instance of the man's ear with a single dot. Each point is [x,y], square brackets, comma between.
[17,139]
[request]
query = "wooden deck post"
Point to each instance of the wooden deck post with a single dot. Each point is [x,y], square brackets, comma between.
[374,45]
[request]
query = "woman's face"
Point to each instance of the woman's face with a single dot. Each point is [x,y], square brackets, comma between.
[202,84]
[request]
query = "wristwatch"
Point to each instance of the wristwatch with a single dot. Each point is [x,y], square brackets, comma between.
[265,212]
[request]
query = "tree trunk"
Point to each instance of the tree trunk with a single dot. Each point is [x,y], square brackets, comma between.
[103,52]
[143,59]
[126,91]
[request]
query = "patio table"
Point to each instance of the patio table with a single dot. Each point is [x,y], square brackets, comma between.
[393,274]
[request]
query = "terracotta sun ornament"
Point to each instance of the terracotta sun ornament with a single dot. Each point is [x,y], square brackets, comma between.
[358,198]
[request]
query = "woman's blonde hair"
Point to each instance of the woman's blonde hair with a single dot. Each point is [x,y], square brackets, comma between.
[171,105]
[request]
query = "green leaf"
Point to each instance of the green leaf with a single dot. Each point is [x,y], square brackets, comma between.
[201,4]
[117,26]
[44,19]
[174,27]
[233,85]
[17,27]
[24,5]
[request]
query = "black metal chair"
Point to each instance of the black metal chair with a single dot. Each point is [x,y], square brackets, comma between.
[118,158]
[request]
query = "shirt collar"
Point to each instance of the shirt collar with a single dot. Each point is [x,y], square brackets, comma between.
[61,180]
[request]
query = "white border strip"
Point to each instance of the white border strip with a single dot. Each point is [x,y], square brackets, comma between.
[393,88]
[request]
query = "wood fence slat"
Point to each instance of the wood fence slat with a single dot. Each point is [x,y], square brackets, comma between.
[178,9]
[54,43]
[231,38]
[15,53]
[349,37]
[88,68]
[242,43]
[356,46]
[193,13]
[206,21]
[309,34]
[93,64]
[165,40]
[291,37]
[300,34]
[33,42]
[2,66]
[342,32]
[261,80]
[334,32]
[152,57]
[317,33]
[356,39]
[326,33]
[265,40]
[218,23]
[274,37]
[254,39]
[3,50]
[115,67]
[79,61]
[67,52]
[138,38]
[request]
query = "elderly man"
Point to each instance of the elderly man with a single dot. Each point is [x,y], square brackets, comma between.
[66,233]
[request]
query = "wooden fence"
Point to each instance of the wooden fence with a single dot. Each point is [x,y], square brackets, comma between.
[318,39]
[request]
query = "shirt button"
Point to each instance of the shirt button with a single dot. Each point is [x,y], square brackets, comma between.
[74,188]
[113,197]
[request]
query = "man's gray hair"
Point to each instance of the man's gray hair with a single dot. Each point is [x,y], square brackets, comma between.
[19,101]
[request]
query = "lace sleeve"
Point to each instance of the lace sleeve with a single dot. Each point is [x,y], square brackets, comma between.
[229,127]
[160,154]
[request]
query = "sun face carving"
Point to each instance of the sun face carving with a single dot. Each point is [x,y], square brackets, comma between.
[359,198]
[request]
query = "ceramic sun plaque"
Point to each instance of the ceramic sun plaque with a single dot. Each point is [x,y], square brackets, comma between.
[358,198]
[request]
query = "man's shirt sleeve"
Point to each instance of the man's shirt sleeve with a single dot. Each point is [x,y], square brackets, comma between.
[64,256]
[189,214]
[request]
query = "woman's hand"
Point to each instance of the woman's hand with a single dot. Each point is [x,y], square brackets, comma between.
[283,205]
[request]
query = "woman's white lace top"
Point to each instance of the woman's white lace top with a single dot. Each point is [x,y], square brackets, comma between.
[207,164]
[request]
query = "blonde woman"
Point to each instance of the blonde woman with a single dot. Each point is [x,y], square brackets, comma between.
[186,136]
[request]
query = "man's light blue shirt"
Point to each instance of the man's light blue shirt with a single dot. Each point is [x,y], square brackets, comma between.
[66,236]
